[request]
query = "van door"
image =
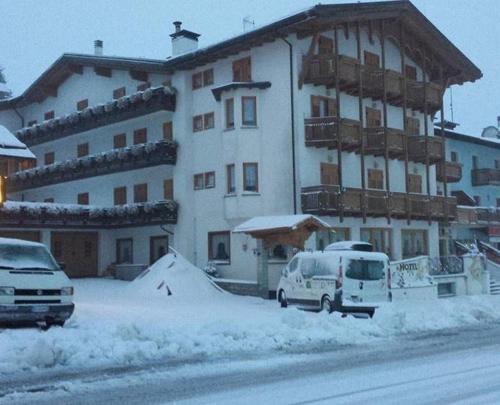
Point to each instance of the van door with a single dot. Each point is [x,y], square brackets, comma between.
[305,285]
[365,280]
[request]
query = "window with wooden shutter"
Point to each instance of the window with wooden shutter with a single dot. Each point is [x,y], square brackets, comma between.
[323,106]
[375,179]
[208,120]
[118,93]
[197,81]
[143,86]
[120,195]
[198,123]
[414,183]
[82,149]
[208,77]
[49,158]
[83,199]
[168,189]
[325,45]
[141,193]
[372,59]
[168,133]
[210,180]
[413,126]
[140,136]
[373,117]
[229,107]
[411,72]
[329,174]
[119,141]
[199,181]
[82,104]
[242,69]
[49,115]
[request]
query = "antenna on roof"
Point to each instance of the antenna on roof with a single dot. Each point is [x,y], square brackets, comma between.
[248,23]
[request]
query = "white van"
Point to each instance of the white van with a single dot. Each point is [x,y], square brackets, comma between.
[33,287]
[342,280]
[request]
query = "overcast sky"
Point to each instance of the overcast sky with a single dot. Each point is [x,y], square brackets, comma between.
[35,33]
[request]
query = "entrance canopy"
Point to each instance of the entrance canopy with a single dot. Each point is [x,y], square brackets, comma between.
[291,230]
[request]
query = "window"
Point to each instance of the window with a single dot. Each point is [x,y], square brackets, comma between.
[475,161]
[293,265]
[278,252]
[168,133]
[369,270]
[414,243]
[31,123]
[83,199]
[208,120]
[454,156]
[414,183]
[49,158]
[324,238]
[82,149]
[141,193]
[140,136]
[168,189]
[375,178]
[413,126]
[373,117]
[242,70]
[158,247]
[120,195]
[124,251]
[219,247]
[380,238]
[250,177]
[198,123]
[372,59]
[497,164]
[49,115]
[249,111]
[197,81]
[118,93]
[230,179]
[329,174]
[82,104]
[208,77]
[229,113]
[210,180]
[49,200]
[325,45]
[199,181]
[323,107]
[143,86]
[477,199]
[411,72]
[119,141]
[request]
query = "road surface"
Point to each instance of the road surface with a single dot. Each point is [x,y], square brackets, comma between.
[452,366]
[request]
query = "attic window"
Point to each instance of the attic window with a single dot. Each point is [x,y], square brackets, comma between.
[49,115]
[118,93]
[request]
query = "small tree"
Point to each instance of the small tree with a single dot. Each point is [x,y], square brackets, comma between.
[5,93]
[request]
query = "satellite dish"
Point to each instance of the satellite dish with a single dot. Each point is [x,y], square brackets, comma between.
[491,132]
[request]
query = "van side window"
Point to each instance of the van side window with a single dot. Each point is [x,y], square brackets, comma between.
[307,267]
[293,265]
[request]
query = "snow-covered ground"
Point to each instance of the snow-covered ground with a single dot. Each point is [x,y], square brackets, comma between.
[175,312]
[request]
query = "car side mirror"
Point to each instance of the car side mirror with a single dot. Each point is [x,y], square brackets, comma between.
[62,265]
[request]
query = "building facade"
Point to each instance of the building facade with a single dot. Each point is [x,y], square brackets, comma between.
[328,111]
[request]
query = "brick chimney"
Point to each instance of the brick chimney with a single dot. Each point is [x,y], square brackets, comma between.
[183,41]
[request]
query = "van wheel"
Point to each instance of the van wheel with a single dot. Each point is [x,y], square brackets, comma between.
[282,299]
[326,304]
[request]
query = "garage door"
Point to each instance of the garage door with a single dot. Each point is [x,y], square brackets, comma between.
[77,250]
[33,236]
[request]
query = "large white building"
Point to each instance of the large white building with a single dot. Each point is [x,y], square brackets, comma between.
[328,111]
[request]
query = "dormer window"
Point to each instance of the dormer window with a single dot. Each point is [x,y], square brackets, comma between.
[242,70]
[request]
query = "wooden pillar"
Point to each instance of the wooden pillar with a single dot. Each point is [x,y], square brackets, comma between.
[404,106]
[339,135]
[384,102]
[360,106]
[443,161]
[426,133]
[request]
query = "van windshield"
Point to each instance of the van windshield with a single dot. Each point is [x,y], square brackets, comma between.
[24,257]
[365,269]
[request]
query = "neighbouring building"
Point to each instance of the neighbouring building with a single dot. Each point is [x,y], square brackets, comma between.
[328,111]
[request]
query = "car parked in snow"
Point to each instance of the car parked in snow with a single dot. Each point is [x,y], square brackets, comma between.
[33,287]
[347,281]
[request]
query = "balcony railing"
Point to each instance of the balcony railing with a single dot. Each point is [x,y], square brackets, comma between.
[417,150]
[452,171]
[322,132]
[477,215]
[331,200]
[320,69]
[375,142]
[415,95]
[485,177]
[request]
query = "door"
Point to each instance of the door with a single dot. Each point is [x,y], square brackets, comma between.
[158,247]
[365,280]
[77,250]
[32,236]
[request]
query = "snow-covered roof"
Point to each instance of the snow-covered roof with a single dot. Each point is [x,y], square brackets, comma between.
[12,147]
[284,222]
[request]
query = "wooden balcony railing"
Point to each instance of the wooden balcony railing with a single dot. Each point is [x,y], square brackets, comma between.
[452,171]
[320,69]
[373,83]
[415,95]
[322,132]
[417,152]
[485,177]
[331,200]
[375,142]
[477,215]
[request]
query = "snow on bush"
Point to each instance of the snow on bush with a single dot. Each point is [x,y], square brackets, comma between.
[173,310]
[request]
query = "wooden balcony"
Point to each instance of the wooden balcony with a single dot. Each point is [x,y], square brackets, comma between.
[417,150]
[331,200]
[320,70]
[415,95]
[453,172]
[374,139]
[373,84]
[485,177]
[322,132]
[477,215]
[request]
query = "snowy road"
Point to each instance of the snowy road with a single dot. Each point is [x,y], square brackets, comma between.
[451,366]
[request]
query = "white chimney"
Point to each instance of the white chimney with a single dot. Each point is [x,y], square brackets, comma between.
[98,45]
[183,41]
